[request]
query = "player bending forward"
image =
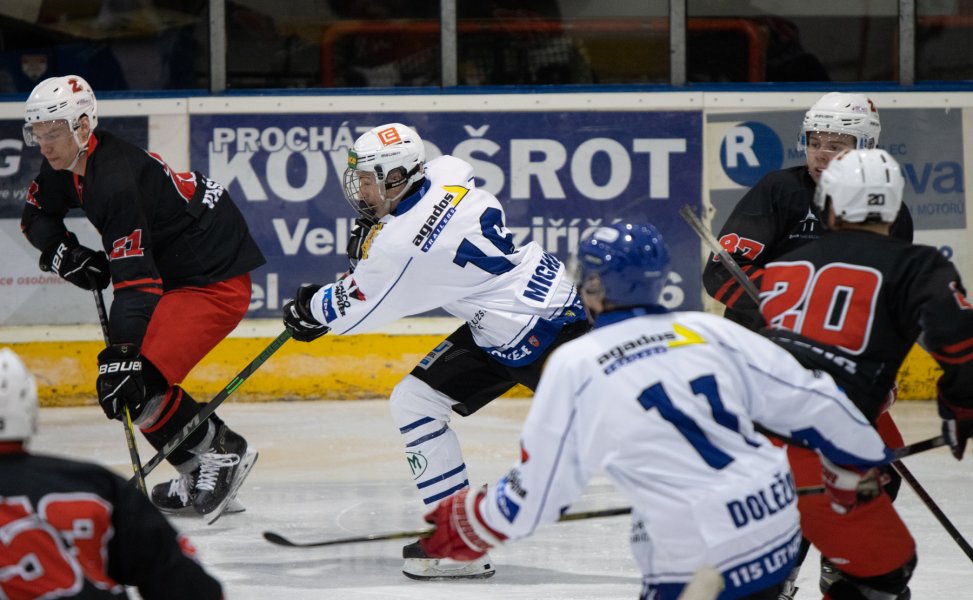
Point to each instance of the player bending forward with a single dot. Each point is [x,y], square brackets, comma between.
[179,254]
[439,241]
[665,403]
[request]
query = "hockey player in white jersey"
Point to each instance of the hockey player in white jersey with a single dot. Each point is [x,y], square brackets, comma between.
[438,241]
[665,403]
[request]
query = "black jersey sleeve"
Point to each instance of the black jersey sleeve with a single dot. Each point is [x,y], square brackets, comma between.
[146,552]
[48,201]
[902,227]
[939,303]
[749,235]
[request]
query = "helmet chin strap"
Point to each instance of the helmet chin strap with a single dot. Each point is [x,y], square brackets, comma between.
[82,150]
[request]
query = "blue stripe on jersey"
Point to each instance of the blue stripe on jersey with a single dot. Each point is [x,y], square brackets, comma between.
[377,304]
[428,437]
[536,340]
[442,477]
[447,493]
[814,439]
[406,203]
[415,424]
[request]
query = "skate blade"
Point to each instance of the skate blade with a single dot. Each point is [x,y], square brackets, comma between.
[446,570]
[246,463]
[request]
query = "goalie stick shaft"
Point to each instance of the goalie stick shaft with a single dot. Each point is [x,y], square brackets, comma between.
[707,236]
[133,451]
[213,404]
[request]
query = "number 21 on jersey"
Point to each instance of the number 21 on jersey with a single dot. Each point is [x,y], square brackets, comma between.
[834,305]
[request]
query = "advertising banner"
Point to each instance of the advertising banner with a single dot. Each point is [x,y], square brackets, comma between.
[29,295]
[927,143]
[557,174]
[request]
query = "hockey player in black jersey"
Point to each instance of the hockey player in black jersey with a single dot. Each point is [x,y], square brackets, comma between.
[775,215]
[71,529]
[179,255]
[869,296]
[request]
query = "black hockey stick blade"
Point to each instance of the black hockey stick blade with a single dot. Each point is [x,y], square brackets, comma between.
[276,538]
[213,404]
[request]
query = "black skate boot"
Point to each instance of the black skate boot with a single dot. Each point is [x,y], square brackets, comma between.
[175,497]
[419,565]
[222,469]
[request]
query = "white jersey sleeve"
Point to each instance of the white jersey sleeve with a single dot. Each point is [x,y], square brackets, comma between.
[665,404]
[448,246]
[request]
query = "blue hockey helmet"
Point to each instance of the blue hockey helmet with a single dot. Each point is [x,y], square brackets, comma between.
[629,261]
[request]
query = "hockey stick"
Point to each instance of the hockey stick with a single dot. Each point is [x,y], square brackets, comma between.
[933,508]
[213,404]
[741,277]
[280,540]
[731,265]
[133,450]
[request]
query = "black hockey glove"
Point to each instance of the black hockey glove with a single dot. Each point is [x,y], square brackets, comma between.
[356,240]
[120,380]
[957,426]
[80,265]
[297,315]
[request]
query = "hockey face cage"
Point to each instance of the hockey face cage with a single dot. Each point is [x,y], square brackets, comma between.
[368,191]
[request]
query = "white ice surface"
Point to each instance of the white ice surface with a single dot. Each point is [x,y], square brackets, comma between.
[331,470]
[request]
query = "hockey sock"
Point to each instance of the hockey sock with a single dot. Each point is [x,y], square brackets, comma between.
[175,410]
[432,449]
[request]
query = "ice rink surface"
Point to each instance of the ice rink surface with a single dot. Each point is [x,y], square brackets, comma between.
[331,470]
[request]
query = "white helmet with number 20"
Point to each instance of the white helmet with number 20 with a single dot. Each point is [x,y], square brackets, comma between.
[65,98]
[390,156]
[848,114]
[863,186]
[18,399]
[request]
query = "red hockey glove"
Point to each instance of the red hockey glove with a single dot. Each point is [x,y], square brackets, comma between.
[460,531]
[849,486]
[957,426]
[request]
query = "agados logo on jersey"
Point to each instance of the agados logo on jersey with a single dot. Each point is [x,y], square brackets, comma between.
[441,213]
[647,345]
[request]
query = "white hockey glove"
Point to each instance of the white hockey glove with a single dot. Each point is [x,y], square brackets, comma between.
[460,532]
[849,486]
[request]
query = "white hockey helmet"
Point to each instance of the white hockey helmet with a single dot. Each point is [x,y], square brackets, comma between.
[391,156]
[65,98]
[849,114]
[18,399]
[863,186]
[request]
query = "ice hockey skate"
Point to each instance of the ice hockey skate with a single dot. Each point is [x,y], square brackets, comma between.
[175,497]
[418,565]
[222,469]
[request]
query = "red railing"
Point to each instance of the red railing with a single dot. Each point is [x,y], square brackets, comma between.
[755,34]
